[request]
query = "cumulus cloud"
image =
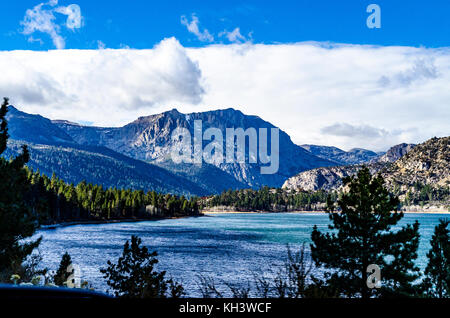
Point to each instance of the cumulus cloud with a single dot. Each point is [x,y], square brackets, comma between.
[88,84]
[319,93]
[41,18]
[194,28]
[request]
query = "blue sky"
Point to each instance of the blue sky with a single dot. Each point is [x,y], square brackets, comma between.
[312,68]
[142,23]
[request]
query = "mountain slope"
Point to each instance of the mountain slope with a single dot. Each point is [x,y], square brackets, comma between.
[149,138]
[394,153]
[75,163]
[34,128]
[403,164]
[207,176]
[327,178]
[427,163]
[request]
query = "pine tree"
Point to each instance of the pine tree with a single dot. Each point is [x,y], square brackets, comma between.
[361,235]
[16,219]
[62,273]
[134,276]
[437,272]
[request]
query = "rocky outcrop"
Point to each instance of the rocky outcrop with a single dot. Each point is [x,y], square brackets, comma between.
[394,153]
[329,178]
[424,164]
[427,163]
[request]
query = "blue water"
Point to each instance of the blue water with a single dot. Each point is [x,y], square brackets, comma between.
[227,247]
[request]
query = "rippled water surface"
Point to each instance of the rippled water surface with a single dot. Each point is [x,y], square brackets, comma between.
[228,247]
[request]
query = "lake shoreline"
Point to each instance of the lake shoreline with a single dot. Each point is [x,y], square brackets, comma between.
[125,220]
[206,212]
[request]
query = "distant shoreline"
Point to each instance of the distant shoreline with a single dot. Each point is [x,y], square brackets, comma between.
[202,213]
[309,212]
[127,220]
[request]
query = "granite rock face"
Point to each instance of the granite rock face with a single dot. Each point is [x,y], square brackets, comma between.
[149,138]
[394,153]
[402,166]
[327,178]
[427,163]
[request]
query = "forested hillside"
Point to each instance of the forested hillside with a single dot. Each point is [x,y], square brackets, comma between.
[52,200]
[75,163]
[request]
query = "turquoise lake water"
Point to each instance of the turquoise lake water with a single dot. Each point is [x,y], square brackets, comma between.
[227,247]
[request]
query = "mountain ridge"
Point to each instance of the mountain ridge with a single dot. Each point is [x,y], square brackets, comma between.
[148,138]
[341,157]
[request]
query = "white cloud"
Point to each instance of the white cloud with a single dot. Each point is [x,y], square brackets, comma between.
[42,19]
[348,130]
[103,86]
[194,28]
[366,134]
[234,36]
[304,88]
[422,69]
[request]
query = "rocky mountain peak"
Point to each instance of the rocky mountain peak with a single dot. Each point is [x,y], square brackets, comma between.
[149,138]
[395,153]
